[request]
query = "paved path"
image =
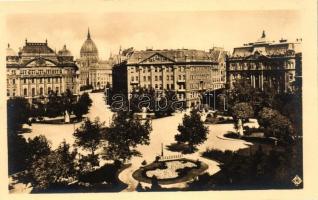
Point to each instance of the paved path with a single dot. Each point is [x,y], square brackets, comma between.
[164,130]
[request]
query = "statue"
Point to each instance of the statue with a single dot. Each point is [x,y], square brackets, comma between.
[240,127]
[144,113]
[66,117]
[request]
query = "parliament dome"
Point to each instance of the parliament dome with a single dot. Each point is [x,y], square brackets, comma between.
[89,48]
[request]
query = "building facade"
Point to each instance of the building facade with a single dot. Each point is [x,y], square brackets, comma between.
[187,72]
[93,71]
[267,63]
[37,69]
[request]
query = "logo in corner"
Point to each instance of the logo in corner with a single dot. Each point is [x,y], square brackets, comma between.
[297,180]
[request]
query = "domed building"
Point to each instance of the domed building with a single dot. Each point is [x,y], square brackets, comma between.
[10,51]
[94,73]
[64,52]
[89,50]
[37,70]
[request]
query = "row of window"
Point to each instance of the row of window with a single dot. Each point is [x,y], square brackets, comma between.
[38,80]
[257,65]
[199,76]
[158,69]
[41,92]
[41,71]
[33,91]
[159,78]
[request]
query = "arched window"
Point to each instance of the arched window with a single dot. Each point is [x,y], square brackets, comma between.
[33,92]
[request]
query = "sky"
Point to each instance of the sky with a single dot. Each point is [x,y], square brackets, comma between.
[157,30]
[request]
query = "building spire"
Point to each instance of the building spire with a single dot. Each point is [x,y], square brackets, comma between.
[88,34]
[263,34]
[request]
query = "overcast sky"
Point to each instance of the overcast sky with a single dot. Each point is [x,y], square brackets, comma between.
[159,30]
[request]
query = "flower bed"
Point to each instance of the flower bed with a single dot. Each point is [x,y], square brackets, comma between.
[170,172]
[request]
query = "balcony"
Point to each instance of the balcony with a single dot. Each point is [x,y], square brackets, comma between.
[134,82]
[181,90]
[181,81]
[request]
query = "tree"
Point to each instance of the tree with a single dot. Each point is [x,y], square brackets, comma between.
[37,147]
[67,99]
[82,106]
[123,136]
[18,113]
[192,130]
[242,111]
[37,110]
[17,154]
[88,137]
[57,167]
[276,124]
[165,105]
[54,106]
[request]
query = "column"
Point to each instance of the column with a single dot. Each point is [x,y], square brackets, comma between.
[164,78]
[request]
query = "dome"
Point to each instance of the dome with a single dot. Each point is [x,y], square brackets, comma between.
[262,39]
[89,48]
[10,51]
[64,52]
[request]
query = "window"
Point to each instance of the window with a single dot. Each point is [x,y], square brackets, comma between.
[49,89]
[25,92]
[145,79]
[132,78]
[57,90]
[149,78]
[8,93]
[184,77]
[168,86]
[41,91]
[172,87]
[156,78]
[32,80]
[172,77]
[33,91]
[136,78]
[49,80]
[179,77]
[167,78]
[156,86]
[160,78]
[13,81]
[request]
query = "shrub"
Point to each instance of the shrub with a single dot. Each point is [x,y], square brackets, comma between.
[231,135]
[157,158]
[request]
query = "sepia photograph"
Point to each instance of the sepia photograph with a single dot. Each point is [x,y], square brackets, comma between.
[142,101]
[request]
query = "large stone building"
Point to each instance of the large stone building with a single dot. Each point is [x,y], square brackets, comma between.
[36,70]
[188,72]
[264,62]
[93,71]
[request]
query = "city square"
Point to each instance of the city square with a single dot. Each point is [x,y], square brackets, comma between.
[154,119]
